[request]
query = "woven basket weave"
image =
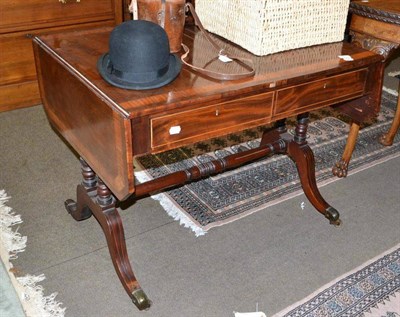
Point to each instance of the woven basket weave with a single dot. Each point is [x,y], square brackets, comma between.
[269,26]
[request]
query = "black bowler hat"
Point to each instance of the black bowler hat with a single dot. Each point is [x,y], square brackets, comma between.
[139,57]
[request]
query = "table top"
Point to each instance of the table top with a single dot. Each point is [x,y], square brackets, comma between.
[378,19]
[382,10]
[108,126]
[81,50]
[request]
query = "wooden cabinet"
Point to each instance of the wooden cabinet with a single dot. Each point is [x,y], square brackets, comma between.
[19,20]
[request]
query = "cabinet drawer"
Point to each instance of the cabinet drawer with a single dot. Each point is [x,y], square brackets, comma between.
[25,15]
[325,92]
[19,95]
[186,127]
[16,63]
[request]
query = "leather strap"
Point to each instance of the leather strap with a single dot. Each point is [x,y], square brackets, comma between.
[245,62]
[163,12]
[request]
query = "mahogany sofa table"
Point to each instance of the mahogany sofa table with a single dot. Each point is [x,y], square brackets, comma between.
[108,126]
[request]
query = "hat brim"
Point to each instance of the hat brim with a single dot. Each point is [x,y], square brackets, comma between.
[174,69]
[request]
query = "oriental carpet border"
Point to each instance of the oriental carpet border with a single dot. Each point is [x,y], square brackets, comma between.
[371,290]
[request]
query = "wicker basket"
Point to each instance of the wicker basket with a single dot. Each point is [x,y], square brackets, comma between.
[268,26]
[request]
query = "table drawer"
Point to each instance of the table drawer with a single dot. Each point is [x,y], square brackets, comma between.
[326,91]
[26,15]
[186,127]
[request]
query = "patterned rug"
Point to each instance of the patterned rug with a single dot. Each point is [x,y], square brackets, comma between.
[226,197]
[371,290]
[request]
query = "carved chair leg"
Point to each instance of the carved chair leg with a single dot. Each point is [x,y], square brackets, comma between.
[302,155]
[386,49]
[341,167]
[387,139]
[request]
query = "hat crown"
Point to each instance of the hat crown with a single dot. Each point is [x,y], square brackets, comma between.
[138,57]
[138,46]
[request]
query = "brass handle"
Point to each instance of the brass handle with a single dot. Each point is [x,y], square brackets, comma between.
[66,1]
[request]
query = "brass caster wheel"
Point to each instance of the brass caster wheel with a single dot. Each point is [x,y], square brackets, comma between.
[333,216]
[139,298]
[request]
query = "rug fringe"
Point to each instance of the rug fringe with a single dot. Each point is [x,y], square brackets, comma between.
[12,241]
[31,296]
[390,91]
[394,73]
[40,305]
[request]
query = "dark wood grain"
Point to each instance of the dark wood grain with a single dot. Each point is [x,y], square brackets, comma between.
[20,20]
[189,98]
[108,126]
[209,121]
[320,92]
[386,11]
[274,71]
[42,13]
[89,123]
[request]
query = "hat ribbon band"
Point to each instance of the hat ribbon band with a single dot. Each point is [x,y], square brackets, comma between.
[144,77]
